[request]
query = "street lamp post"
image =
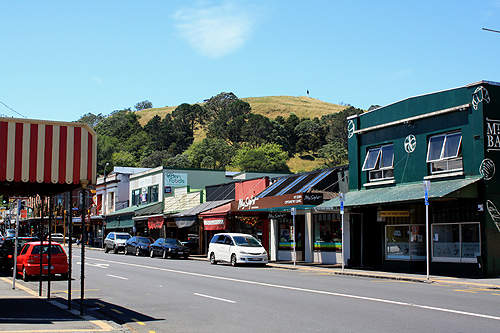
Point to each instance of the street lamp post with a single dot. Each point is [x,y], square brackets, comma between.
[104,202]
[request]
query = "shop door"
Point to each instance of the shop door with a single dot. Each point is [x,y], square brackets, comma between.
[355,235]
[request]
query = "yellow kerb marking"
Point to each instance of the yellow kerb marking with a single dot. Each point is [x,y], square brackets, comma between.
[465,291]
[138,322]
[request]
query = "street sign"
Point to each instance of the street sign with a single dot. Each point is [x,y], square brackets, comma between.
[342,198]
[293,211]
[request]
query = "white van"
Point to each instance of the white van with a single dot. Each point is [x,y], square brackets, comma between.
[236,249]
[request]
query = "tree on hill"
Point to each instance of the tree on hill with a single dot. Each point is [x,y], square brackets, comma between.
[143,105]
[335,125]
[121,124]
[91,119]
[269,157]
[217,103]
[228,124]
[333,154]
[211,154]
[309,134]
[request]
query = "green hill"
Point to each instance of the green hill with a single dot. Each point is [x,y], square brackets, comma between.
[271,107]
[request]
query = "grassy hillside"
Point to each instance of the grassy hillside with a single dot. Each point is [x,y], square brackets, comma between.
[271,107]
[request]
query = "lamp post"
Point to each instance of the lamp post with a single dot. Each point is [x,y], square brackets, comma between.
[104,210]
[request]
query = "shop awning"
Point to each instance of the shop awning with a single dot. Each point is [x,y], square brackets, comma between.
[124,218]
[278,203]
[45,157]
[221,210]
[405,193]
[201,208]
[215,222]
[185,222]
[155,222]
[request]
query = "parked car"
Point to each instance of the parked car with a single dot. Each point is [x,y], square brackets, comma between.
[7,251]
[10,233]
[168,247]
[236,248]
[116,241]
[28,260]
[138,245]
[192,242]
[60,238]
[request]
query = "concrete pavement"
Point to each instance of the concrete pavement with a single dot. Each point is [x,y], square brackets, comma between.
[22,310]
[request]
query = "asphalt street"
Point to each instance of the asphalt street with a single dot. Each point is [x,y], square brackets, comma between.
[156,295]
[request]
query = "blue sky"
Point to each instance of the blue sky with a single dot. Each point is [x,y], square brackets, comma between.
[62,59]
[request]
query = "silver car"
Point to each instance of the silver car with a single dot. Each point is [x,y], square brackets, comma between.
[116,241]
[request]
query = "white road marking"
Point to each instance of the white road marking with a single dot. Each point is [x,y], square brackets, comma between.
[216,298]
[118,277]
[472,314]
[97,265]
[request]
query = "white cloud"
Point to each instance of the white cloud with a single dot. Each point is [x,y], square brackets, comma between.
[216,31]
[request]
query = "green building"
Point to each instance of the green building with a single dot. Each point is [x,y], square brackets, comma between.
[447,142]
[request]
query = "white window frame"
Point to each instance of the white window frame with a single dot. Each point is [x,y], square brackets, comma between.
[459,259]
[376,168]
[412,240]
[454,157]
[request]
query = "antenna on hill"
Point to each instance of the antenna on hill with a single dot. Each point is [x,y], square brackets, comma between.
[307,92]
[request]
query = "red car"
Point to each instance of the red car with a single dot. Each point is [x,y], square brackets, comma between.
[28,260]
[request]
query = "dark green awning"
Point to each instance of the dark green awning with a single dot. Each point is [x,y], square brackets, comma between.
[404,193]
[123,218]
[120,221]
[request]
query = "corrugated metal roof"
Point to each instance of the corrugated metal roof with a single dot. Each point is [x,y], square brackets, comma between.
[399,193]
[201,208]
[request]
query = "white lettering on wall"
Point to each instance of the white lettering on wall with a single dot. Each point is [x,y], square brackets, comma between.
[492,134]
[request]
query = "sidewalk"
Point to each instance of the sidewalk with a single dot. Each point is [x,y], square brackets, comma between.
[23,310]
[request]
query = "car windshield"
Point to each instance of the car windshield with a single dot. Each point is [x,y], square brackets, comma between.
[172,241]
[144,240]
[123,236]
[55,249]
[246,241]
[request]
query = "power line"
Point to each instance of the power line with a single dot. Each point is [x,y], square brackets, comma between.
[491,30]
[8,107]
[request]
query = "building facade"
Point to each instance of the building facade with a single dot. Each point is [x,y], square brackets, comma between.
[423,183]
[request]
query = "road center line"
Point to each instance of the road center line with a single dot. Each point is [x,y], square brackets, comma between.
[216,298]
[118,277]
[379,300]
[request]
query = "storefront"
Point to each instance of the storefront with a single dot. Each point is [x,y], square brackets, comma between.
[430,162]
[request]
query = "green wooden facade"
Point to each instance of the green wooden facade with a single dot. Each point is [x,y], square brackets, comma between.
[407,127]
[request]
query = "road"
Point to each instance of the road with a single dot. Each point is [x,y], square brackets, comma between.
[168,295]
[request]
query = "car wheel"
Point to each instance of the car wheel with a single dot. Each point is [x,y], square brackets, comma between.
[115,249]
[64,276]
[212,259]
[106,250]
[233,260]
[164,254]
[137,251]
[186,256]
[26,277]
[151,253]
[126,251]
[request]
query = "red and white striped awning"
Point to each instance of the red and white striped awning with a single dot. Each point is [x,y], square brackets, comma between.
[46,152]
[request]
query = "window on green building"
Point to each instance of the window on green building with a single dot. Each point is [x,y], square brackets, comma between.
[379,163]
[444,152]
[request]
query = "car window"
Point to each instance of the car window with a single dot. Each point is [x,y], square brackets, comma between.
[170,241]
[246,241]
[25,249]
[228,240]
[222,239]
[109,236]
[215,239]
[122,236]
[55,249]
[143,240]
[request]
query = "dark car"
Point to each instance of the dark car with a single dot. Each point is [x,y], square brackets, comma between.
[138,245]
[168,247]
[7,251]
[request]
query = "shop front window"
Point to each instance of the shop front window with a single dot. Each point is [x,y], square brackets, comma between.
[327,233]
[152,194]
[136,197]
[285,237]
[456,242]
[405,242]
